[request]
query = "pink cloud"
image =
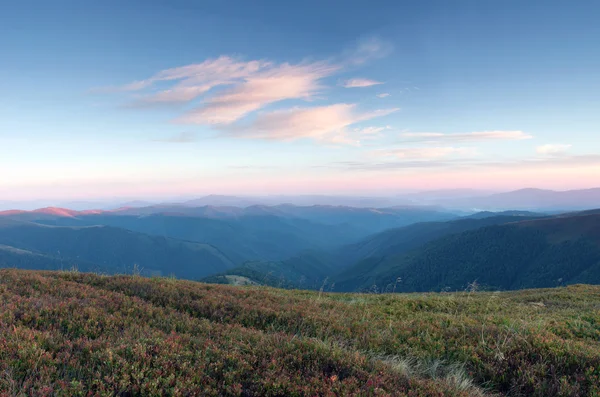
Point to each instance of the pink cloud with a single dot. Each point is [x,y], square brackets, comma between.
[325,123]
[254,84]
[283,82]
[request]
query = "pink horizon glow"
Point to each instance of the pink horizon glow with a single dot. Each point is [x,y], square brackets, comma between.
[362,183]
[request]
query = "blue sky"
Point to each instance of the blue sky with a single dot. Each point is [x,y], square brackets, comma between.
[171,98]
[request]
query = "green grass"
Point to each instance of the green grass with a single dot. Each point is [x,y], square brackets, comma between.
[68,333]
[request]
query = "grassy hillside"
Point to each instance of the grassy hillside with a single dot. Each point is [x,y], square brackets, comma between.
[528,254]
[108,250]
[67,333]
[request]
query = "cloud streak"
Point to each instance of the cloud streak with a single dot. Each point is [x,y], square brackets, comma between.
[359,83]
[480,136]
[425,153]
[182,137]
[446,164]
[552,149]
[371,130]
[199,78]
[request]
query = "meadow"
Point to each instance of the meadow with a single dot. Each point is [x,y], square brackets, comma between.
[83,334]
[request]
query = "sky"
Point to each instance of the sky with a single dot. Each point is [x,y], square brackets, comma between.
[185,98]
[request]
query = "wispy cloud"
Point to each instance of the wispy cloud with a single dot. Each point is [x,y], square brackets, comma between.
[254,84]
[466,163]
[325,123]
[359,83]
[273,85]
[426,153]
[553,149]
[224,90]
[371,130]
[439,163]
[182,137]
[464,137]
[367,49]
[193,79]
[383,95]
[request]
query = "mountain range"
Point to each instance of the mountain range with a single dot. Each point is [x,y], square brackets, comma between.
[252,233]
[337,248]
[528,199]
[456,199]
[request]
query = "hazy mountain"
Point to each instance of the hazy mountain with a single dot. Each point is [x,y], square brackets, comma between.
[243,238]
[532,199]
[299,200]
[491,214]
[368,220]
[437,196]
[534,253]
[257,233]
[220,200]
[130,204]
[206,211]
[112,249]
[460,199]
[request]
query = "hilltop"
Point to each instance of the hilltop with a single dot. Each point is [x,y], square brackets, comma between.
[69,333]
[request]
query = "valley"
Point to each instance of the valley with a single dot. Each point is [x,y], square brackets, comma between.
[331,248]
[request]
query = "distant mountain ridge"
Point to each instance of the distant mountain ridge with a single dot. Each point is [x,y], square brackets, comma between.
[532,199]
[459,199]
[251,233]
